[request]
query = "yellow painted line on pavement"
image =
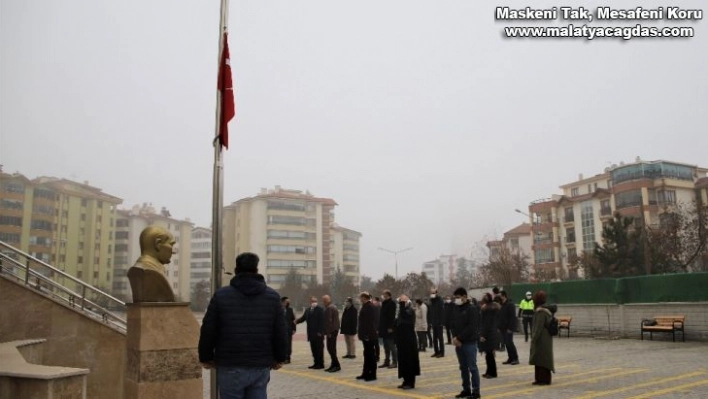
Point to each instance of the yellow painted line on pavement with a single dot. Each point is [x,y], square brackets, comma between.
[351,384]
[642,385]
[569,383]
[669,390]
[486,387]
[526,370]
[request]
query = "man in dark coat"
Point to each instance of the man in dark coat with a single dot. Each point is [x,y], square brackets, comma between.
[368,324]
[314,316]
[387,325]
[507,326]
[489,333]
[436,315]
[289,325]
[408,360]
[447,320]
[331,331]
[377,307]
[465,330]
[349,319]
[496,297]
[243,333]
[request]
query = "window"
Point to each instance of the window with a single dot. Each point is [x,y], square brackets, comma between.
[108,276]
[11,221]
[43,209]
[666,197]
[41,241]
[201,255]
[589,188]
[605,208]
[80,260]
[84,202]
[628,199]
[291,235]
[175,273]
[11,204]
[286,206]
[43,193]
[80,274]
[121,247]
[588,225]
[355,247]
[572,255]
[97,261]
[174,286]
[570,234]
[595,186]
[41,225]
[122,223]
[351,257]
[121,235]
[544,256]
[296,249]
[83,216]
[291,263]
[574,191]
[569,216]
[10,237]
[62,258]
[288,220]
[81,245]
[63,228]
[14,188]
[95,274]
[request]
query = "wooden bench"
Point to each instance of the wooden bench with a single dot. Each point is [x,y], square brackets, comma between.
[564,324]
[667,324]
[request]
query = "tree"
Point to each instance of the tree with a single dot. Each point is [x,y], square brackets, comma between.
[506,267]
[292,288]
[679,243]
[387,283]
[367,284]
[341,287]
[415,286]
[621,252]
[200,296]
[463,275]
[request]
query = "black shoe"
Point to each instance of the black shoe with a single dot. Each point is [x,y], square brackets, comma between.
[328,369]
[489,376]
[475,395]
[367,379]
[333,369]
[434,355]
[384,365]
[514,363]
[318,368]
[312,367]
[360,377]
[352,357]
[405,387]
[507,362]
[393,365]
[464,394]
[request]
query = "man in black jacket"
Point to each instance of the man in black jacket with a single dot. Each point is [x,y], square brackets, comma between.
[243,332]
[507,326]
[289,325]
[314,316]
[465,330]
[368,325]
[435,319]
[386,330]
[349,321]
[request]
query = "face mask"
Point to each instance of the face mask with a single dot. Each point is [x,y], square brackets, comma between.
[528,298]
[313,305]
[458,301]
[433,295]
[447,301]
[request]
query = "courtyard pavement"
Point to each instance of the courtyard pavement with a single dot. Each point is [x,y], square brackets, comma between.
[585,368]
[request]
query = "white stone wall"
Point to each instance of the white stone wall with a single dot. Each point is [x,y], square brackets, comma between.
[625,320]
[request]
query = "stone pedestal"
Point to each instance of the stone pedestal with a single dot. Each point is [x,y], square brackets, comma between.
[162,359]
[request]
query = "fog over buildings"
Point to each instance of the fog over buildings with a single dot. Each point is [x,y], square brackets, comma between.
[423,123]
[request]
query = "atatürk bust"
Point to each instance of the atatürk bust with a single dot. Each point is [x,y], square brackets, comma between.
[147,276]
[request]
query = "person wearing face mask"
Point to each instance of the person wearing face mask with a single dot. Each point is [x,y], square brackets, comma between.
[408,360]
[387,325]
[465,330]
[435,317]
[526,309]
[314,316]
[349,319]
[421,324]
[449,307]
[489,334]
[289,325]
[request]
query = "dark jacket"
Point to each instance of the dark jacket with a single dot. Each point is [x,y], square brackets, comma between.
[290,320]
[331,314]
[507,317]
[349,316]
[244,325]
[490,327]
[388,318]
[367,322]
[466,322]
[449,309]
[436,312]
[541,340]
[315,322]
[406,342]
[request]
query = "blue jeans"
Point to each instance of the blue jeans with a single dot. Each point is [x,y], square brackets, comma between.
[243,382]
[467,357]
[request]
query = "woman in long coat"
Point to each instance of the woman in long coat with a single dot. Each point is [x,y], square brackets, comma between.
[408,361]
[421,324]
[489,334]
[348,328]
[541,341]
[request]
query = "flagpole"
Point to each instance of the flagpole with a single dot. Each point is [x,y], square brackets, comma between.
[218,192]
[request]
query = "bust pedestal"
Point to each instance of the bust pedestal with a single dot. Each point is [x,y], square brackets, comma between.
[162,359]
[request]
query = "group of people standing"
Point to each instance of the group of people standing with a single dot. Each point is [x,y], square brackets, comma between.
[247,331]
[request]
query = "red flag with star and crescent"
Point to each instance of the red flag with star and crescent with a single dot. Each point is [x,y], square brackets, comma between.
[226,87]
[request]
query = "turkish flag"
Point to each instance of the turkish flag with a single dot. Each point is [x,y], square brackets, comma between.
[226,87]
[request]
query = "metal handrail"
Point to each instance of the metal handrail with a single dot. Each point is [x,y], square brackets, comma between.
[118,321]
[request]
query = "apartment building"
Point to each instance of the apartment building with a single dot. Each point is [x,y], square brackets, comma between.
[564,226]
[441,270]
[345,252]
[67,224]
[200,267]
[130,223]
[516,241]
[287,229]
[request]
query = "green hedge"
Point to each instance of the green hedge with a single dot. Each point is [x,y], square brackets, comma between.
[686,287]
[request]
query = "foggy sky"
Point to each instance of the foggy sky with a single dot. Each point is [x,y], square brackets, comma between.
[417,117]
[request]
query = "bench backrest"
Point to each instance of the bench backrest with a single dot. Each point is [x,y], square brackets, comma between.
[669,320]
[564,321]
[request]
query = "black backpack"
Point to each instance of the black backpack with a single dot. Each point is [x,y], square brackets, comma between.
[553,326]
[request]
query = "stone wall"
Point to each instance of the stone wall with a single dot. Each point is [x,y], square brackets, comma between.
[73,339]
[624,320]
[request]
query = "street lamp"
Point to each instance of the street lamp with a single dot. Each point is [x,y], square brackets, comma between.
[395,255]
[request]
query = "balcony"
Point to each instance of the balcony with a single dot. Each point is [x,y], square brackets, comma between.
[605,211]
